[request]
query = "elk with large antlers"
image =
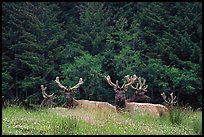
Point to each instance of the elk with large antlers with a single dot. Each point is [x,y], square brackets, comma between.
[48,99]
[139,92]
[120,91]
[70,102]
[170,101]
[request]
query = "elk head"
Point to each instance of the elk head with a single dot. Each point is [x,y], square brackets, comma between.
[68,91]
[170,100]
[120,91]
[139,92]
[48,99]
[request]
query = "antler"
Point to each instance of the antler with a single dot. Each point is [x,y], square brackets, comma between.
[171,101]
[59,84]
[141,85]
[108,79]
[43,92]
[77,85]
[130,80]
[65,88]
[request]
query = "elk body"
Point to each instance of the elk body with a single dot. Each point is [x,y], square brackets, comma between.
[152,109]
[96,105]
[68,92]
[139,92]
[48,99]
[120,91]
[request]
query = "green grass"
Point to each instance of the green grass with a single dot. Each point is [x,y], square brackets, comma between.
[81,121]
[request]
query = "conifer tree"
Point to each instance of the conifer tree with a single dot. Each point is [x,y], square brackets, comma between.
[34,44]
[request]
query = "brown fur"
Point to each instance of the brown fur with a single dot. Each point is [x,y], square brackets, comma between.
[48,102]
[140,98]
[153,109]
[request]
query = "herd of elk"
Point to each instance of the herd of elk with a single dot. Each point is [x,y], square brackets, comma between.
[120,99]
[68,92]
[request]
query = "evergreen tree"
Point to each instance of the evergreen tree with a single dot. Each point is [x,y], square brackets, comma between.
[168,31]
[159,41]
[94,27]
[34,48]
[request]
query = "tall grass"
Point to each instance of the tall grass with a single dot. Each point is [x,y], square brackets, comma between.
[197,126]
[81,121]
[184,115]
[177,114]
[64,126]
[17,120]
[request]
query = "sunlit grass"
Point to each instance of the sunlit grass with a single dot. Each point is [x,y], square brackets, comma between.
[83,121]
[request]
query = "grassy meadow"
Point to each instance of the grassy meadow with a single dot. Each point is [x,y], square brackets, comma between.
[80,121]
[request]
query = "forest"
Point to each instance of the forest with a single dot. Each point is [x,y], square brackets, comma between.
[158,41]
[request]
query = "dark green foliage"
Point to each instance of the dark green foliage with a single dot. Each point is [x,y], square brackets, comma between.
[158,41]
[33,51]
[93,27]
[85,67]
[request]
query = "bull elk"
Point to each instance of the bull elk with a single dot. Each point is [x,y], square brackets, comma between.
[169,101]
[139,92]
[120,91]
[70,102]
[48,99]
